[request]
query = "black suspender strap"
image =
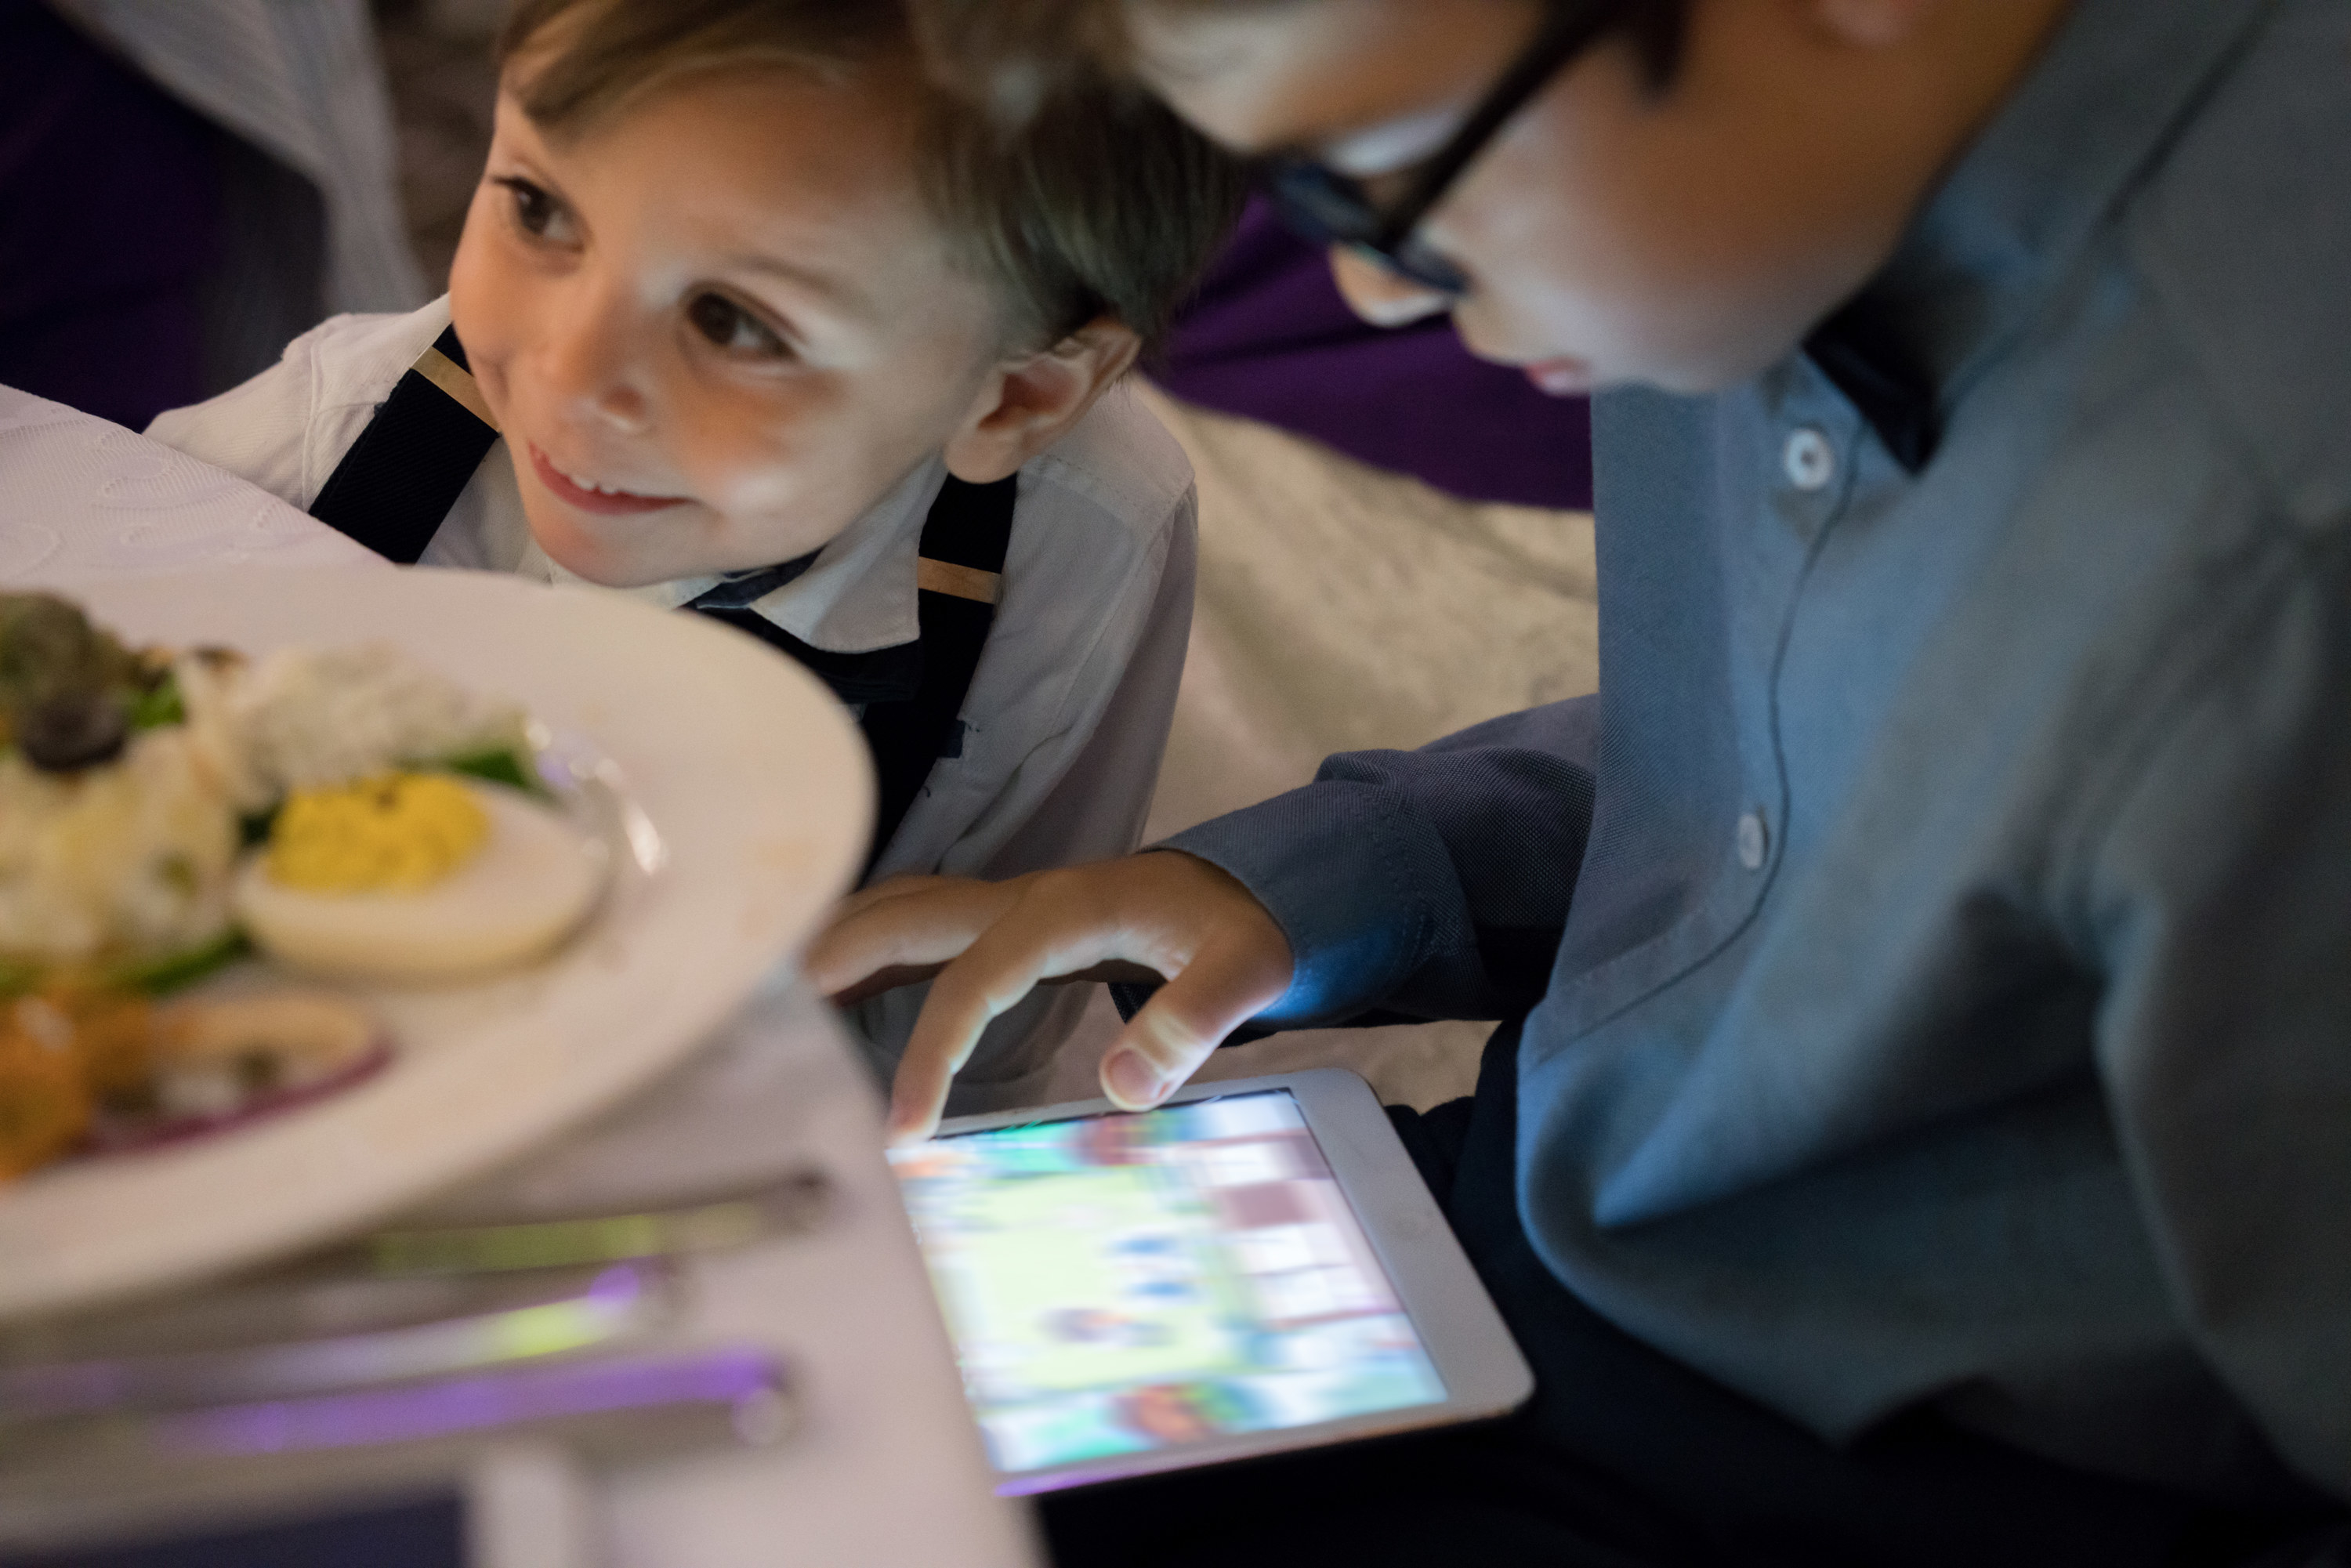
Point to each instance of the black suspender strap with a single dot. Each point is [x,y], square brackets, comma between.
[884,675]
[395,486]
[890,674]
[959,578]
[913,694]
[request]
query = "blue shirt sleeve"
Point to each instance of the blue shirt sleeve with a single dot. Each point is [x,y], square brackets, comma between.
[1425,885]
[2219,904]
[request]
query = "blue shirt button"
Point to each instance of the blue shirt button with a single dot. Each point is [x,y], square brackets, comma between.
[1809,459]
[1754,840]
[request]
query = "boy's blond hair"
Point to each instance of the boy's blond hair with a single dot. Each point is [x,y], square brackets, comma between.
[1098,203]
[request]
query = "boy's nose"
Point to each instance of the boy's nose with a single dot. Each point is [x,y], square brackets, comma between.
[623,408]
[597,374]
[1380,296]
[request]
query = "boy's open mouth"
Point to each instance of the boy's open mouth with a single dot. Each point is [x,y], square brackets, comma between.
[590,498]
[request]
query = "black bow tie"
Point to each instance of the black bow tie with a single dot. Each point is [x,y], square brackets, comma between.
[742,590]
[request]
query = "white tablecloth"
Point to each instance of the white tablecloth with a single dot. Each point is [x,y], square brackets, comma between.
[886,1467]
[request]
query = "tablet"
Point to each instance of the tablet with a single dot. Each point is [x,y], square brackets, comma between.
[1255,1267]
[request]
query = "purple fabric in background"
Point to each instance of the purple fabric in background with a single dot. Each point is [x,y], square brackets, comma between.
[109,192]
[1269,337]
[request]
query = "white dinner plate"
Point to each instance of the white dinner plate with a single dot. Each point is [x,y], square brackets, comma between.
[756,797]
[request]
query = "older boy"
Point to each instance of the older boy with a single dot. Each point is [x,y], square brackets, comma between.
[1925,1137]
[749,316]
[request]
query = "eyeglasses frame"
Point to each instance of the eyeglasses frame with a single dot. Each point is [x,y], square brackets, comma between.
[1386,238]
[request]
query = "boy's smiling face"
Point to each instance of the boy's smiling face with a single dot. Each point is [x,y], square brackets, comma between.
[717,325]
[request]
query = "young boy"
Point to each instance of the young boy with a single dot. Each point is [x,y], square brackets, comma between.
[749,317]
[1922,1134]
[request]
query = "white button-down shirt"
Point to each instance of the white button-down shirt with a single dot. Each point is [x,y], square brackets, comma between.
[1068,712]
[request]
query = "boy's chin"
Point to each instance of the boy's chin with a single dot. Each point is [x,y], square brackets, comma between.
[590,560]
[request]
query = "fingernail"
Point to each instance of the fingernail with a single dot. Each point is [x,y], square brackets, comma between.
[1131,1078]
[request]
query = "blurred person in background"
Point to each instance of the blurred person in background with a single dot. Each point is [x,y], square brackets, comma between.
[183,188]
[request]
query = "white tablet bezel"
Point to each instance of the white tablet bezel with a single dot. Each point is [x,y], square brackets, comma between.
[1476,1359]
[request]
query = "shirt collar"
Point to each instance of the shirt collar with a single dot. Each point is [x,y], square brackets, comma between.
[2021,205]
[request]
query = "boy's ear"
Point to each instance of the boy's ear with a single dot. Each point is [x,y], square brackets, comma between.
[1028,403]
[1869,24]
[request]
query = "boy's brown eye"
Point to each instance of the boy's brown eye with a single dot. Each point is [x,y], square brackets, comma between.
[732,328]
[533,209]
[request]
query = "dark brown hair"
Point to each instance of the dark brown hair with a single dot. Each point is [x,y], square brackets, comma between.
[1096,202]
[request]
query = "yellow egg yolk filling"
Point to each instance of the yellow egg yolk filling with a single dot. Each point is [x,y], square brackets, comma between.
[397,832]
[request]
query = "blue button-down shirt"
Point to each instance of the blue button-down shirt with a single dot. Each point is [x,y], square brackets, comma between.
[1937,932]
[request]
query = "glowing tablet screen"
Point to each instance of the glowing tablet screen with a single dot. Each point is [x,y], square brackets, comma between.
[1121,1283]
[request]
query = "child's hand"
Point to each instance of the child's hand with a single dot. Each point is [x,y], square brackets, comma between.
[988,944]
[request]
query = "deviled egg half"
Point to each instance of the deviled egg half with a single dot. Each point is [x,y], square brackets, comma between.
[414,877]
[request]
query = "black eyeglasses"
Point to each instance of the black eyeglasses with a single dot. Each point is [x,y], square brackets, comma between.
[1329,208]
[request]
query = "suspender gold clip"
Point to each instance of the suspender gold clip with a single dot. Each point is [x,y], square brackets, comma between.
[457,381]
[960,581]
